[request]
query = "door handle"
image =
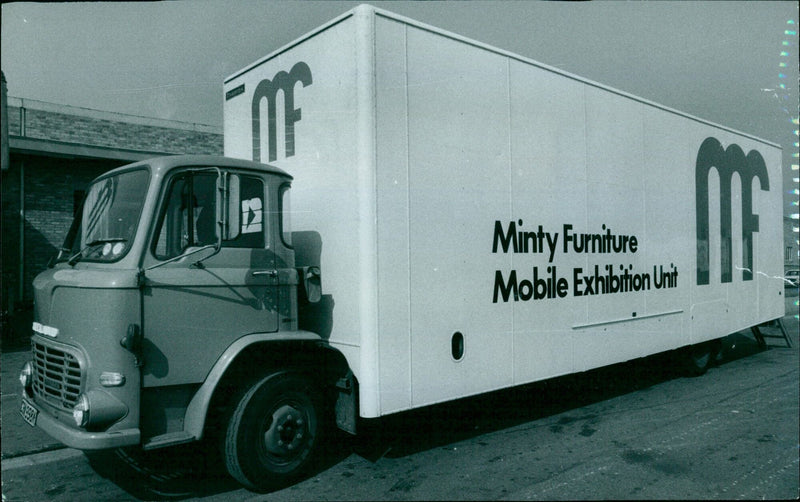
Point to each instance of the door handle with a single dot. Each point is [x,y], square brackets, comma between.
[268,273]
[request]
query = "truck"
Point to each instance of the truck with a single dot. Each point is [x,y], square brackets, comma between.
[458,220]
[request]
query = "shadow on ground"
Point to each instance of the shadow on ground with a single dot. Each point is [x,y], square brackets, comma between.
[186,471]
[436,426]
[171,474]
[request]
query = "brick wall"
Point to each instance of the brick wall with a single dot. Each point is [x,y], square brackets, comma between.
[100,129]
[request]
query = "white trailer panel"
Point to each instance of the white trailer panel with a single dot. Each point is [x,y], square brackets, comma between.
[452,190]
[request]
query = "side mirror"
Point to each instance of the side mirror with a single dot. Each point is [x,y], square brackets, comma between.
[312,284]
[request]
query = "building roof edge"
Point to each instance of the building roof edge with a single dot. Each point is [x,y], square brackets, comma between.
[33,104]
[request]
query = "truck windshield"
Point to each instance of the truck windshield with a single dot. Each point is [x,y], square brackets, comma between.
[106,223]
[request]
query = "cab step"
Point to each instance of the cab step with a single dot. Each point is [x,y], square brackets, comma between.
[169,439]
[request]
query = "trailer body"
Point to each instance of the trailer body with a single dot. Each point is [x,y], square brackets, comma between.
[482,220]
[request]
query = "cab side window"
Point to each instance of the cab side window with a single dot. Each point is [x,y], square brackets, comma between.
[252,224]
[189,216]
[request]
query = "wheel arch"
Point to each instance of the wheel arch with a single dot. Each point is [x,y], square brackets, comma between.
[252,357]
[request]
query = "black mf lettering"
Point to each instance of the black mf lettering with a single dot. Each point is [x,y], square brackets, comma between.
[285,82]
[727,161]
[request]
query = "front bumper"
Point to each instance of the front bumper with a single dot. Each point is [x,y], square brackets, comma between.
[80,439]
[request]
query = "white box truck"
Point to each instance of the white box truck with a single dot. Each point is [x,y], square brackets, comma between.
[462,220]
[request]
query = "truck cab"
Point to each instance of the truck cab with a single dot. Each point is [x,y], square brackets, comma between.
[173,307]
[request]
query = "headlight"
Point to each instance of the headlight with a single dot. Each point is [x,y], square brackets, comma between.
[81,411]
[97,409]
[26,376]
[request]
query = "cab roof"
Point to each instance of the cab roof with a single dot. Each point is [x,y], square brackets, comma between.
[161,165]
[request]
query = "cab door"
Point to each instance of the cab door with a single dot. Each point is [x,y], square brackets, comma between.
[194,308]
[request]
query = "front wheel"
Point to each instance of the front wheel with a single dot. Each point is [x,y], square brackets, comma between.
[273,432]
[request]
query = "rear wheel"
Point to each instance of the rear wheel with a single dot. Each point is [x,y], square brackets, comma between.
[698,358]
[273,432]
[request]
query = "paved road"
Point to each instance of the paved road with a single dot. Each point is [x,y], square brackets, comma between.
[630,431]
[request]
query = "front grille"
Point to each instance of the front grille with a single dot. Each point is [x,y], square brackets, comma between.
[56,375]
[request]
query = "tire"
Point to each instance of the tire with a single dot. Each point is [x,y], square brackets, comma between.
[699,358]
[274,432]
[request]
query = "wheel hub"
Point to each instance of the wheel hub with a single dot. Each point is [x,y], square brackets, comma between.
[287,432]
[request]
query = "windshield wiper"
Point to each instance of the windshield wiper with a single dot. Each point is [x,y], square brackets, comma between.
[57,257]
[77,256]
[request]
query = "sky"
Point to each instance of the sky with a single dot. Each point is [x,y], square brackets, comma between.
[720,61]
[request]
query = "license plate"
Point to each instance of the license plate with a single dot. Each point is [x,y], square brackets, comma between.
[29,413]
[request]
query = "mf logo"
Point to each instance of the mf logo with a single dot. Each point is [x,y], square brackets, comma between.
[269,89]
[727,161]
